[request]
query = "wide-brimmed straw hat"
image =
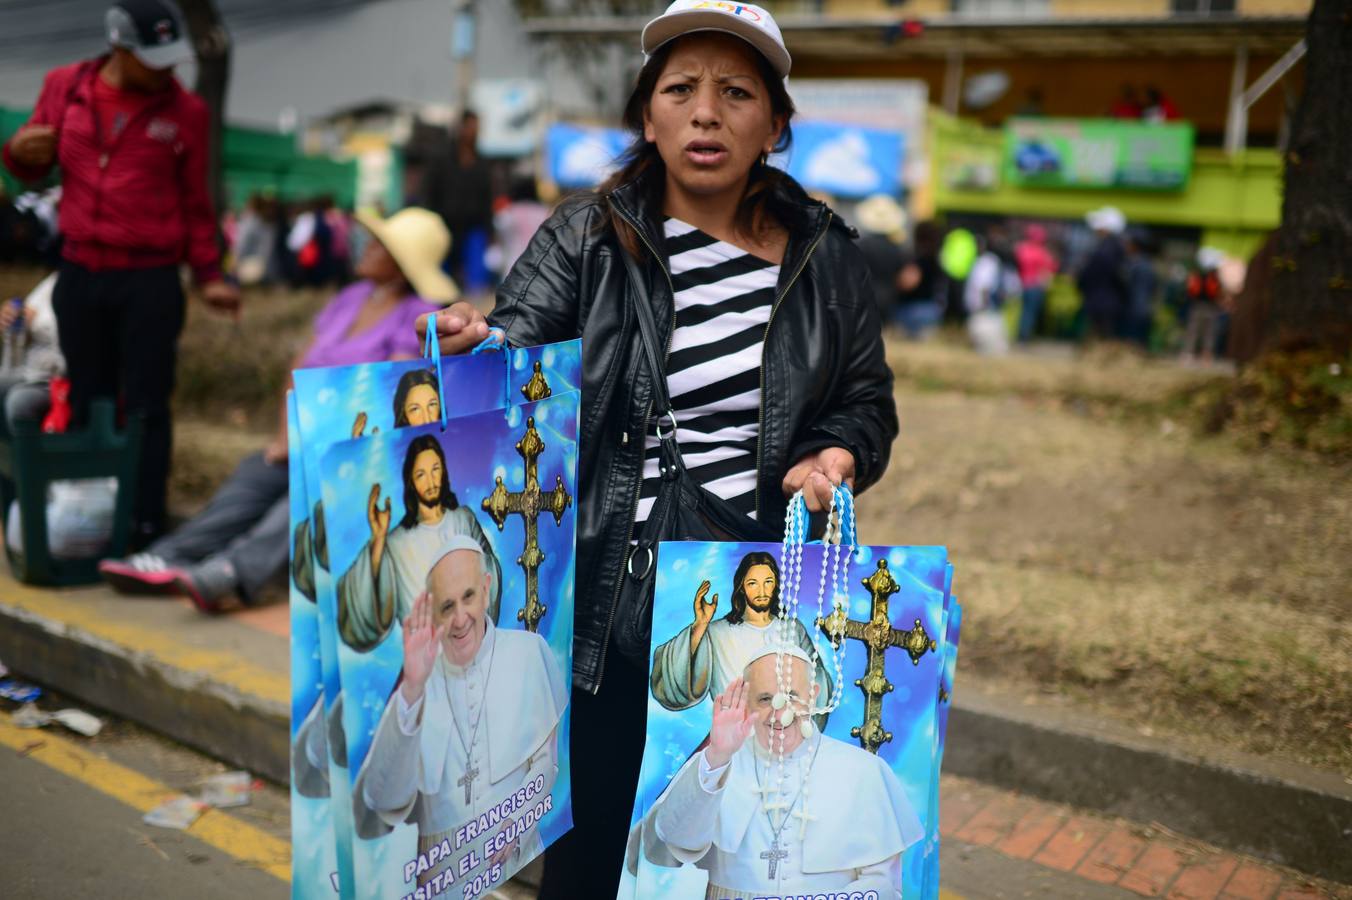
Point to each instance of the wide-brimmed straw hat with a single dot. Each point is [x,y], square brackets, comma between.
[880,214]
[747,21]
[418,240]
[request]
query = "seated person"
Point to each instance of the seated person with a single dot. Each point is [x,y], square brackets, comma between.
[24,382]
[240,540]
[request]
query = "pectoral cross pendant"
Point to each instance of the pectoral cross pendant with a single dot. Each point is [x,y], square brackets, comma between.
[467,780]
[774,855]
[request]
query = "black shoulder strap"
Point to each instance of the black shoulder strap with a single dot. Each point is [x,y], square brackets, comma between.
[647,331]
[672,465]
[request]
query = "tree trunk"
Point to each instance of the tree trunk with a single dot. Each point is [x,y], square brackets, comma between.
[1312,271]
[212,44]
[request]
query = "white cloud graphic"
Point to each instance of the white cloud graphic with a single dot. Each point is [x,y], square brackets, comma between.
[586,161]
[842,164]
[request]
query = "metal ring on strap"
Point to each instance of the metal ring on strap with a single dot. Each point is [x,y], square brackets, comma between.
[648,567]
[669,414]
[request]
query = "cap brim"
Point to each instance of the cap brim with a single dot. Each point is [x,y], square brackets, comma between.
[164,56]
[428,282]
[673,25]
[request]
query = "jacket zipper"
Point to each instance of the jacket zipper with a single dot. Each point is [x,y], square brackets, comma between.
[106,149]
[765,345]
[638,489]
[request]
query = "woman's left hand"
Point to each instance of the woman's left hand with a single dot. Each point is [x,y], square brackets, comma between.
[817,473]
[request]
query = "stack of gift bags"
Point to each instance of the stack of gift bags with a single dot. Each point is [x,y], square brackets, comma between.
[433,556]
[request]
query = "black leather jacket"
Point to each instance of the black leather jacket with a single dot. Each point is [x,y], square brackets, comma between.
[824,381]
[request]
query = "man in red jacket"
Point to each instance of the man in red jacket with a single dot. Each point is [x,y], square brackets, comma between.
[132,147]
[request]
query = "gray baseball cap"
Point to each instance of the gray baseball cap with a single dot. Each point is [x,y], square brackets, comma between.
[150,30]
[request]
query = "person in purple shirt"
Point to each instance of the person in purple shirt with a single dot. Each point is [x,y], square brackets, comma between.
[239,541]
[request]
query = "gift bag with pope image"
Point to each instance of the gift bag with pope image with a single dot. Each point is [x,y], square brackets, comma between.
[350,403]
[793,719]
[454,625]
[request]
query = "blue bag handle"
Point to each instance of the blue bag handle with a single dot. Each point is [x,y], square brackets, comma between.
[796,522]
[496,340]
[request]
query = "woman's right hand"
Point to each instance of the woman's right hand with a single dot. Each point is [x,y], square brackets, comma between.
[460,328]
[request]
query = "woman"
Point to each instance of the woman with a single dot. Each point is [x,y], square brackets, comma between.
[239,542]
[776,367]
[26,384]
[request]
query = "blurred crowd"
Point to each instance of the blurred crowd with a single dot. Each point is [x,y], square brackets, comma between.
[1009,282]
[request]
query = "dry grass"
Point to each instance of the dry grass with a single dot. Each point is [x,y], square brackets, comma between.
[238,369]
[231,376]
[1180,583]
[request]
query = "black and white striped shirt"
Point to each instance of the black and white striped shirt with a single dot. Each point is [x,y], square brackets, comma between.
[723,301]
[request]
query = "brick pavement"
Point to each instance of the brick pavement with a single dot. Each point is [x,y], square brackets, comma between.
[1149,860]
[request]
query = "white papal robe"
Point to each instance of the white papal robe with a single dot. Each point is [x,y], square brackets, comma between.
[414,769]
[858,822]
[369,603]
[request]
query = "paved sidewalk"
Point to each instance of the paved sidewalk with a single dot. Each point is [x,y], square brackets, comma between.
[1145,860]
[221,684]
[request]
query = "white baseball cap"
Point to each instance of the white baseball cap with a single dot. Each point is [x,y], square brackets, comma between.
[1107,218]
[747,21]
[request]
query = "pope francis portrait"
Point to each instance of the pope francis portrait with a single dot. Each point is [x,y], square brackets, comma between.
[473,720]
[770,806]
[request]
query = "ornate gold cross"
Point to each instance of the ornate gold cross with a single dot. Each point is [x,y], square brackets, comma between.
[537,388]
[528,504]
[878,635]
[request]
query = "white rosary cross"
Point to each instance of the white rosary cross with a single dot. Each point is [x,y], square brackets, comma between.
[772,808]
[803,816]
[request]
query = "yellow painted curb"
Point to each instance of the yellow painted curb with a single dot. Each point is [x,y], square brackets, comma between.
[220,668]
[239,839]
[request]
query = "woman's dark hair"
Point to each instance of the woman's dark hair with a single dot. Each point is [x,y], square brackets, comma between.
[447,499]
[756,558]
[641,163]
[408,382]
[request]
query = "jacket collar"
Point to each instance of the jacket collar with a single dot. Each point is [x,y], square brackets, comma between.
[808,218]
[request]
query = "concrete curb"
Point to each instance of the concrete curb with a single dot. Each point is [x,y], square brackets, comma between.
[1288,814]
[191,707]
